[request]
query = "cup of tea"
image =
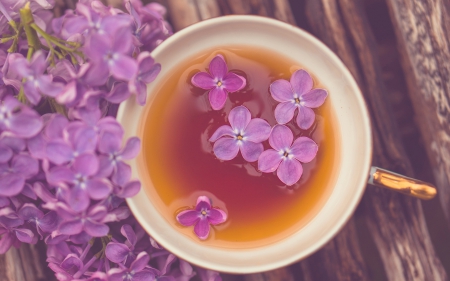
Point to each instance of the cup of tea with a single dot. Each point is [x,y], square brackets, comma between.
[269,224]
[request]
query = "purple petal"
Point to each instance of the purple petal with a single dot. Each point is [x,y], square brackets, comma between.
[49,87]
[26,124]
[203,202]
[86,164]
[301,82]
[257,130]
[284,112]
[25,165]
[218,68]
[118,93]
[281,90]
[28,192]
[130,189]
[98,47]
[116,274]
[201,229]
[290,171]
[304,149]
[188,217]
[216,216]
[148,75]
[49,222]
[122,173]
[239,118]
[97,74]
[131,149]
[68,94]
[71,227]
[226,148]
[55,126]
[128,232]
[29,211]
[203,80]
[122,37]
[233,82]
[269,161]
[96,229]
[217,98]
[116,252]
[6,241]
[60,174]
[281,137]
[109,143]
[251,151]
[98,189]
[31,92]
[5,153]
[71,262]
[37,62]
[123,67]
[24,235]
[85,140]
[141,261]
[11,184]
[314,98]
[224,130]
[144,276]
[16,144]
[59,152]
[305,117]
[97,212]
[78,199]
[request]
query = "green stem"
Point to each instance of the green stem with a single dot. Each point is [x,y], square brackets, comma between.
[27,20]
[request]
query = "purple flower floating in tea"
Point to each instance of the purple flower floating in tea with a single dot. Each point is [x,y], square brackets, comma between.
[202,216]
[285,157]
[297,93]
[245,134]
[218,81]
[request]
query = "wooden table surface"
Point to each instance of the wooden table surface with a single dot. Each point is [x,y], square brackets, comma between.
[399,53]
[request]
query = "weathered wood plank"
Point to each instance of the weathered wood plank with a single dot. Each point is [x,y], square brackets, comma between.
[423,29]
[279,9]
[281,274]
[340,259]
[396,222]
[187,12]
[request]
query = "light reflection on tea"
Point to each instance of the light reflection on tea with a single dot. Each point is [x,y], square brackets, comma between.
[180,164]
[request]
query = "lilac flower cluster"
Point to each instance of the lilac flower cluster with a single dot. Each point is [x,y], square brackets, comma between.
[63,170]
[247,135]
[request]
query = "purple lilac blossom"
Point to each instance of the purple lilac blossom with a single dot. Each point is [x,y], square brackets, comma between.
[245,135]
[45,160]
[285,157]
[218,81]
[297,93]
[202,216]
[36,82]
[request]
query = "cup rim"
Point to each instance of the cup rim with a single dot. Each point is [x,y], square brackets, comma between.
[361,182]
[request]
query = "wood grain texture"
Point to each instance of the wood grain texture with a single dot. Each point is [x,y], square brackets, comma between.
[423,29]
[340,259]
[187,12]
[395,221]
[281,274]
[278,9]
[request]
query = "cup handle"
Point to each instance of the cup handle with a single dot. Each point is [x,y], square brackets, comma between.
[402,184]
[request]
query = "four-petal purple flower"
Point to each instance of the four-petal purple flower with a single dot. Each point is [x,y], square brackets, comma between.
[297,93]
[202,216]
[285,155]
[245,134]
[219,81]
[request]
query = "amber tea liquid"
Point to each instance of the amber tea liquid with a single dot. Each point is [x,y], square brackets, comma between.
[179,164]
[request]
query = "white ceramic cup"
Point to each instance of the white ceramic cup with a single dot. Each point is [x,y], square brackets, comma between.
[353,126]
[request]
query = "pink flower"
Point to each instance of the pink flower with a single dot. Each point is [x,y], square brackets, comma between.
[297,93]
[219,81]
[245,134]
[285,157]
[202,216]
